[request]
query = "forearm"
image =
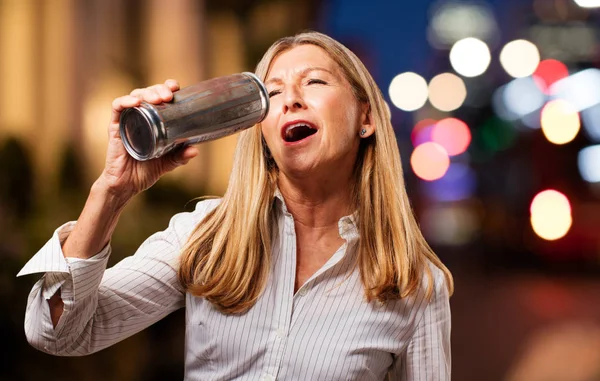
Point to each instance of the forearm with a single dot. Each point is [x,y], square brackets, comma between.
[96,222]
[92,232]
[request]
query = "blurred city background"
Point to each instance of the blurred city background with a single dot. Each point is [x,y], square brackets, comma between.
[496,107]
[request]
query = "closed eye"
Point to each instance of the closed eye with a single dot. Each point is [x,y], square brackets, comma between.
[316,81]
[273,93]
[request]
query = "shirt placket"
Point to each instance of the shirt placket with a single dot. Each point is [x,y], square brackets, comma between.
[283,306]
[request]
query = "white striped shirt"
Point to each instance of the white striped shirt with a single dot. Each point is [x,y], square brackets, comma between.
[324,331]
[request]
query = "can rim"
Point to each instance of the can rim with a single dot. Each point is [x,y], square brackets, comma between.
[264,94]
[151,124]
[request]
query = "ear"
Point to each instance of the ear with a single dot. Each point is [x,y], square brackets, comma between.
[367,128]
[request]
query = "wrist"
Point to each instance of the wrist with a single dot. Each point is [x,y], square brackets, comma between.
[110,194]
[96,223]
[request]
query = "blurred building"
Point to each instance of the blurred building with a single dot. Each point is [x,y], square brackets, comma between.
[65,60]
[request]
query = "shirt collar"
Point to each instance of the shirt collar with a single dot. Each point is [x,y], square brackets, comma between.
[279,201]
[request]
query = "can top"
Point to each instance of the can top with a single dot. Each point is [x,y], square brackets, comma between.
[264,94]
[138,133]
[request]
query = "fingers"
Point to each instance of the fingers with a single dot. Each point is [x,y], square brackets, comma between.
[157,93]
[172,84]
[121,103]
[153,94]
[188,153]
[180,157]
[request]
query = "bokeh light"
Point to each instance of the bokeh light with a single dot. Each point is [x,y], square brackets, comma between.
[408,91]
[452,134]
[588,3]
[581,89]
[550,215]
[495,135]
[522,96]
[549,72]
[457,184]
[500,107]
[533,120]
[453,21]
[451,224]
[470,57]
[591,122]
[560,121]
[588,162]
[519,58]
[429,161]
[421,132]
[447,92]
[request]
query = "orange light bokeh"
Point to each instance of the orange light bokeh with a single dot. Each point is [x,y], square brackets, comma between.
[560,121]
[550,215]
[430,161]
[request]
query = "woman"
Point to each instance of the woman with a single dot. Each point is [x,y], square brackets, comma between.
[311,267]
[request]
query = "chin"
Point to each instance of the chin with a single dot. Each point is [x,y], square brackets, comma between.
[297,169]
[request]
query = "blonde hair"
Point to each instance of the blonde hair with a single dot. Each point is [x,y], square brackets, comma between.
[227,258]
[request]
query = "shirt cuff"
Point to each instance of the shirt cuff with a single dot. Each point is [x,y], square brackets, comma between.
[51,260]
[50,257]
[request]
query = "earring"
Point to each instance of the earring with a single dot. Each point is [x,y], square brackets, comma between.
[363,132]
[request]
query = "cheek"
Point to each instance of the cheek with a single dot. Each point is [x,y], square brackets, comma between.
[348,121]
[269,127]
[344,134]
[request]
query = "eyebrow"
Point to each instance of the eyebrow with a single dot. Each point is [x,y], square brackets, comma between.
[302,74]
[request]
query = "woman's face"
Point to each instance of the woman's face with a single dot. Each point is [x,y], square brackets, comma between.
[314,118]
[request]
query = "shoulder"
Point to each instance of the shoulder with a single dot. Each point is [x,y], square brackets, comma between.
[436,279]
[206,206]
[434,294]
[432,289]
[439,277]
[182,224]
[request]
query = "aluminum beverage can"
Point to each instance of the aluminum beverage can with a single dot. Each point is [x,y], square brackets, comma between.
[205,111]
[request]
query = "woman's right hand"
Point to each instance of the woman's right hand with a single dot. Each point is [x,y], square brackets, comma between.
[123,175]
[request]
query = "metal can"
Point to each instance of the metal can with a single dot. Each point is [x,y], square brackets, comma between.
[205,111]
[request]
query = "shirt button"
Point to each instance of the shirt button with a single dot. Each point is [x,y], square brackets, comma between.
[268,377]
[280,333]
[303,291]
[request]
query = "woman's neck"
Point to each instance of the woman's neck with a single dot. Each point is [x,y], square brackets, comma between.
[317,204]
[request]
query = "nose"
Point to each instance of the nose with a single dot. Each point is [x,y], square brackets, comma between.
[293,99]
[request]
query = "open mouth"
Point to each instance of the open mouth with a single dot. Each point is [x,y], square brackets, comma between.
[297,132]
